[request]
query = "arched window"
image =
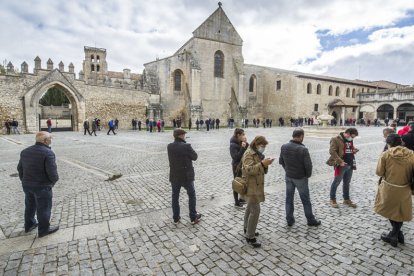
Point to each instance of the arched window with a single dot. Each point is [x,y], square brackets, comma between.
[252,83]
[330,90]
[309,88]
[337,91]
[92,58]
[367,90]
[318,89]
[177,79]
[97,68]
[362,90]
[348,92]
[219,64]
[97,58]
[353,93]
[92,67]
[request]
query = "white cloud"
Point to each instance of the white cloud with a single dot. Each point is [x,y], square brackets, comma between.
[275,33]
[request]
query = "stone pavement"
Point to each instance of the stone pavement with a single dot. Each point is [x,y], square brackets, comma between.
[124,226]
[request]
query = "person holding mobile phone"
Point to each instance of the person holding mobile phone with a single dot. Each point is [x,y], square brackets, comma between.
[296,161]
[254,167]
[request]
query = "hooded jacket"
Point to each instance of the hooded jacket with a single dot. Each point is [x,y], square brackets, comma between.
[393,199]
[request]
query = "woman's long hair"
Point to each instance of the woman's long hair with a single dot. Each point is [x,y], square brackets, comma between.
[258,140]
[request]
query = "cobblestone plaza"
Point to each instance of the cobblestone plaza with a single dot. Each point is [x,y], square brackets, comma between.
[124,226]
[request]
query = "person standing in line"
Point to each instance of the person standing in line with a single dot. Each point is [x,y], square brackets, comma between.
[254,167]
[296,161]
[238,146]
[94,127]
[15,125]
[38,174]
[151,125]
[342,158]
[134,124]
[147,124]
[158,124]
[393,199]
[111,126]
[197,124]
[217,123]
[181,156]
[387,131]
[49,125]
[116,123]
[208,124]
[7,124]
[139,125]
[201,124]
[408,138]
[86,127]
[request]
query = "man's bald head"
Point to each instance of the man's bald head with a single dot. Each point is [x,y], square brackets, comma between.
[44,137]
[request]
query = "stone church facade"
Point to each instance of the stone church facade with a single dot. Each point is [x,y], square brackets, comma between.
[205,78]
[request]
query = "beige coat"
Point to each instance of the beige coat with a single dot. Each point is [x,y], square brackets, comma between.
[393,199]
[254,172]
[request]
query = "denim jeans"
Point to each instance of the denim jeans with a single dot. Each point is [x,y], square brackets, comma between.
[49,129]
[345,175]
[303,189]
[189,186]
[38,200]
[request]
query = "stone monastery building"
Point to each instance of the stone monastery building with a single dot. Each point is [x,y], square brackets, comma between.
[205,78]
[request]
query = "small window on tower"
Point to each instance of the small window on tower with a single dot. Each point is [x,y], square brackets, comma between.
[92,67]
[278,85]
[316,107]
[92,58]
[97,58]
[97,68]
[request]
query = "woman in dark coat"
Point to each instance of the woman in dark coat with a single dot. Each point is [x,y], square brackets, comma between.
[238,145]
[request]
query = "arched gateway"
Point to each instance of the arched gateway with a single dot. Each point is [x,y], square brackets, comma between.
[32,96]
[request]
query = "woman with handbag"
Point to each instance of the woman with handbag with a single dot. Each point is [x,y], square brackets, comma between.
[238,145]
[393,200]
[254,167]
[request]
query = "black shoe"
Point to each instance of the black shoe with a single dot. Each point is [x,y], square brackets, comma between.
[177,220]
[290,223]
[253,242]
[401,237]
[393,240]
[197,219]
[255,234]
[238,205]
[31,228]
[242,201]
[51,230]
[314,223]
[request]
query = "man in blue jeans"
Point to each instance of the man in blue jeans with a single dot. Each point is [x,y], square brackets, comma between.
[342,158]
[295,159]
[181,156]
[38,173]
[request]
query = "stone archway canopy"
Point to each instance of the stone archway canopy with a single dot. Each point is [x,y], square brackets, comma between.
[33,94]
[341,103]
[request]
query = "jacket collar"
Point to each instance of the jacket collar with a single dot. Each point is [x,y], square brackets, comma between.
[41,144]
[296,142]
[179,140]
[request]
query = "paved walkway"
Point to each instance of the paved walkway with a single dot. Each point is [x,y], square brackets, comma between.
[123,226]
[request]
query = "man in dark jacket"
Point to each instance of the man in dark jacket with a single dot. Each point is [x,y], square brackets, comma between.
[38,173]
[181,156]
[295,159]
[86,127]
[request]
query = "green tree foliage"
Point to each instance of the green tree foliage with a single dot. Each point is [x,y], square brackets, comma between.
[2,70]
[54,96]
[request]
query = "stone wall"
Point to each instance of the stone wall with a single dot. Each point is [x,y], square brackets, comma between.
[92,100]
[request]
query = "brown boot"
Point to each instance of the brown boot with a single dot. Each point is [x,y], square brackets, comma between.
[334,204]
[349,203]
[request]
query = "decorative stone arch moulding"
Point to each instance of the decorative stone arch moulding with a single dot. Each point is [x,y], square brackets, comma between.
[33,94]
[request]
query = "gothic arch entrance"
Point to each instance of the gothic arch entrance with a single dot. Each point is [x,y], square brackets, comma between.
[31,99]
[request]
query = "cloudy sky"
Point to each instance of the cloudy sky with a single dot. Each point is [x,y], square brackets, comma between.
[370,40]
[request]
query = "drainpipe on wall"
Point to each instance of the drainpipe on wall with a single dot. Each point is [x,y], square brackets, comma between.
[24,113]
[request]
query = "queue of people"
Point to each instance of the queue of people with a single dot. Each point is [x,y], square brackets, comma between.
[393,198]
